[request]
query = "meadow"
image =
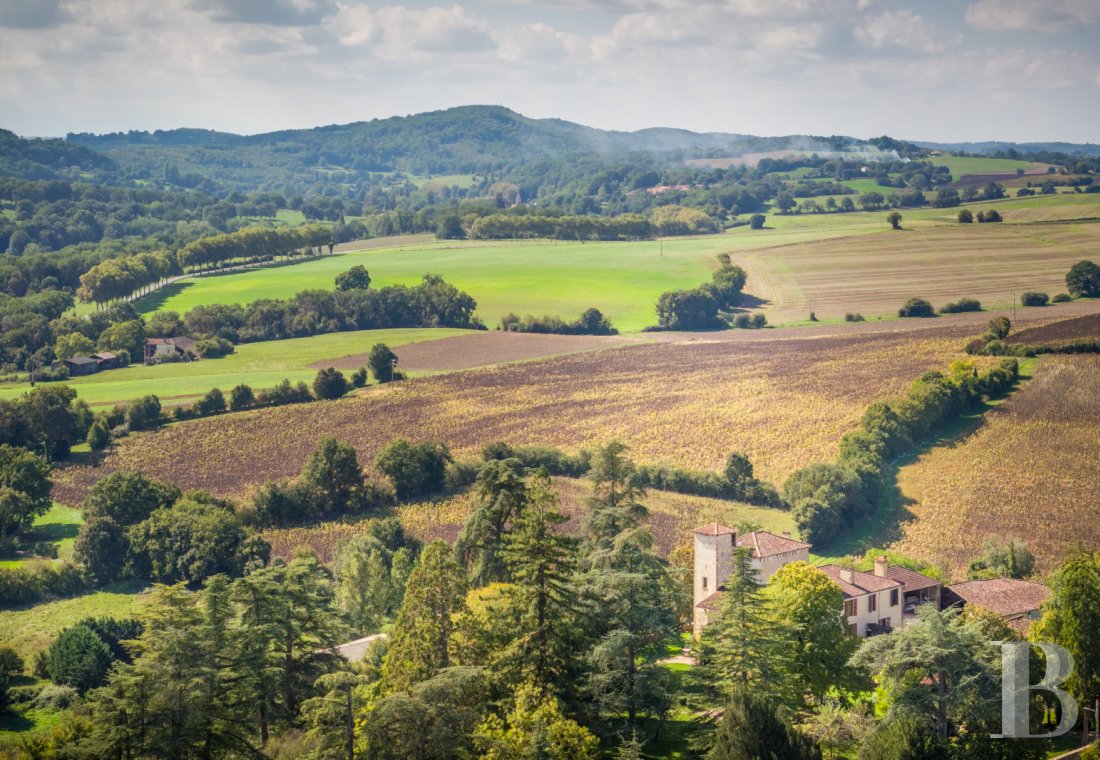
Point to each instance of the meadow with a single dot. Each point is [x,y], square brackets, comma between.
[1028,471]
[260,365]
[784,403]
[784,261]
[960,166]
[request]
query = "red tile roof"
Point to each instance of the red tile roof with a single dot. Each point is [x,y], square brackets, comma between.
[1008,597]
[715,529]
[764,544]
[861,584]
[911,579]
[711,602]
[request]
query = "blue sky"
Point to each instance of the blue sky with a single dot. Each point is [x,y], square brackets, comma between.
[950,70]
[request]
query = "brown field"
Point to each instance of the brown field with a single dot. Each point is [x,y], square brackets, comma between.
[479,349]
[785,403]
[672,517]
[1063,331]
[877,273]
[1030,470]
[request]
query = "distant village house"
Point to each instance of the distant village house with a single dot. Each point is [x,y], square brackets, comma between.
[169,349]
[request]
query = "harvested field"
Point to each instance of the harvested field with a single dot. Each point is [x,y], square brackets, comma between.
[479,349]
[1029,471]
[1058,333]
[877,273]
[672,517]
[785,403]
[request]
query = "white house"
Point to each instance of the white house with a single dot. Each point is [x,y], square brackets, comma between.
[873,602]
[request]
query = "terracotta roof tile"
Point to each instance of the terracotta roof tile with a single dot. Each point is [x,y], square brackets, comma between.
[764,544]
[715,529]
[1007,597]
[861,584]
[911,579]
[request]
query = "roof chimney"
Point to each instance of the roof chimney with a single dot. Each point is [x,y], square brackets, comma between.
[848,575]
[882,567]
[786,534]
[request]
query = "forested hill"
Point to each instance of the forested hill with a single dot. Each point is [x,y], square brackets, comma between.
[47,159]
[469,139]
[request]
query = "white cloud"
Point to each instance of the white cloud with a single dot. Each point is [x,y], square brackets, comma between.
[1032,15]
[394,30]
[902,29]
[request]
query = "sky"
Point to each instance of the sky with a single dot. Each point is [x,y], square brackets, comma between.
[941,70]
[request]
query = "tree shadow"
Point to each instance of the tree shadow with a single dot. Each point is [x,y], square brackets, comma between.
[748,302]
[156,300]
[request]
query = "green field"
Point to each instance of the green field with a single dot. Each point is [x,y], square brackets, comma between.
[624,280]
[58,526]
[31,629]
[260,365]
[960,166]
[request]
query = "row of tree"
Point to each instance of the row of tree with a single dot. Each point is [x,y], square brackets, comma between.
[699,309]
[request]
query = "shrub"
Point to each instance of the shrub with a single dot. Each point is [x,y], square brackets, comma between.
[1061,298]
[36,581]
[143,413]
[554,461]
[999,327]
[991,215]
[382,362]
[241,397]
[55,697]
[284,393]
[414,469]
[359,377]
[962,305]
[756,221]
[78,658]
[853,317]
[100,549]
[916,307]
[966,216]
[759,320]
[1034,299]
[330,384]
[742,321]
[212,403]
[11,666]
[688,310]
[98,436]
[1083,280]
[214,348]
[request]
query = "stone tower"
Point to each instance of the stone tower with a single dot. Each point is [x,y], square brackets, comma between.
[713,549]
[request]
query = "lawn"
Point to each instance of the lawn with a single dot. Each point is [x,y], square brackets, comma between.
[260,365]
[59,526]
[33,628]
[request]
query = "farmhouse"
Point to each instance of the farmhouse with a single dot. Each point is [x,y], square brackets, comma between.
[1017,601]
[169,349]
[873,602]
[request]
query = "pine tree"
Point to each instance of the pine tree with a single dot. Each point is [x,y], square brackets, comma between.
[744,646]
[542,561]
[750,729]
[615,504]
[421,636]
[502,494]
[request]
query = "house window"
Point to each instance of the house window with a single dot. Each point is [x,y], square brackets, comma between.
[872,602]
[851,607]
[884,623]
[893,597]
[704,583]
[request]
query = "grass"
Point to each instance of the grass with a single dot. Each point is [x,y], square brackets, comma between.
[843,262]
[960,166]
[59,527]
[260,365]
[32,629]
[290,216]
